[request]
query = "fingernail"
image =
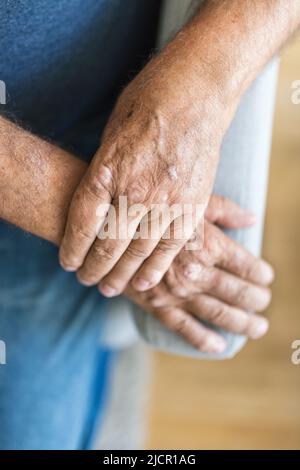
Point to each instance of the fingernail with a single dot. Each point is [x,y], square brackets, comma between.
[263,299]
[246,218]
[64,265]
[260,329]
[250,218]
[216,345]
[267,273]
[85,282]
[219,345]
[107,290]
[140,284]
[67,267]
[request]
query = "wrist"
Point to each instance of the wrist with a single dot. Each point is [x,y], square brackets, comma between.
[33,190]
[196,92]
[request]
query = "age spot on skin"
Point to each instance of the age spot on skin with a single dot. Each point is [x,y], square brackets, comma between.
[105,176]
[136,194]
[192,271]
[172,172]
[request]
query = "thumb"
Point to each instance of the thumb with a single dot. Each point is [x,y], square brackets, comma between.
[223,211]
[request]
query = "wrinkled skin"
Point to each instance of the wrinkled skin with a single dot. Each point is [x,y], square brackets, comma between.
[179,106]
[220,283]
[163,139]
[160,146]
[206,282]
[150,158]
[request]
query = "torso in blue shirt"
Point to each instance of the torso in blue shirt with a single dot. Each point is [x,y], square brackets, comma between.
[63,63]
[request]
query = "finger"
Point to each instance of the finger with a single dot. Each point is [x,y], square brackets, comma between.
[234,258]
[86,215]
[106,252]
[157,264]
[198,335]
[223,211]
[119,276]
[137,252]
[196,279]
[227,317]
[237,292]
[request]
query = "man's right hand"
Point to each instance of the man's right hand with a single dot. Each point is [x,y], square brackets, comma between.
[218,284]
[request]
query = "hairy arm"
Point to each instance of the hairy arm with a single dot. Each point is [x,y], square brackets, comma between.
[231,41]
[37,180]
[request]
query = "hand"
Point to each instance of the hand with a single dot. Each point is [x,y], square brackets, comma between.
[218,284]
[47,220]
[161,146]
[163,139]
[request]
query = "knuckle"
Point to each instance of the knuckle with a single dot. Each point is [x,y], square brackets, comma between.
[173,319]
[252,268]
[216,207]
[156,300]
[218,313]
[168,245]
[69,254]
[179,291]
[103,252]
[215,279]
[180,323]
[99,182]
[173,283]
[211,250]
[138,192]
[242,294]
[217,248]
[81,233]
[247,268]
[134,251]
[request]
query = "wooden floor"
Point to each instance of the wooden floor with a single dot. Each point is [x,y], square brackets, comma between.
[252,401]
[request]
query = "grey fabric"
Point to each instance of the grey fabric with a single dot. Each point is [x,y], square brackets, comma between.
[242,176]
[119,330]
[174,14]
[124,423]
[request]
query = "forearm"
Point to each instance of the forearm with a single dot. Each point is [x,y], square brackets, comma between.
[37,181]
[217,55]
[237,38]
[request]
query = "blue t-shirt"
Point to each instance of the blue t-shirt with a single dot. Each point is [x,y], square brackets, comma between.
[63,63]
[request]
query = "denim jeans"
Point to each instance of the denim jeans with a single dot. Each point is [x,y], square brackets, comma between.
[63,64]
[54,378]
